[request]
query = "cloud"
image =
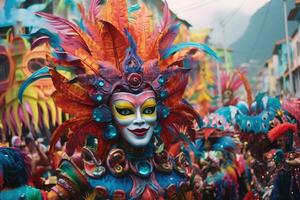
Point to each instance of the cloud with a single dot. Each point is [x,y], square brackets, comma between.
[208,13]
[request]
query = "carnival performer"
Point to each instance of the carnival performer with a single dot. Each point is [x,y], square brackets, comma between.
[126,103]
[15,171]
[274,124]
[221,165]
[286,178]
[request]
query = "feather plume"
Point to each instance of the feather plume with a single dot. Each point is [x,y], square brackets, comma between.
[140,27]
[247,87]
[69,32]
[280,130]
[178,47]
[115,12]
[177,79]
[71,91]
[72,107]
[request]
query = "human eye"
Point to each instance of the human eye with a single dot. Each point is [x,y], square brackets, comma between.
[149,110]
[124,111]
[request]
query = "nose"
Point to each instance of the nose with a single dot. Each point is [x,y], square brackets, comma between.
[139,121]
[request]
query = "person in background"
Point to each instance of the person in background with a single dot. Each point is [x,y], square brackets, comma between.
[16,142]
[15,171]
[40,162]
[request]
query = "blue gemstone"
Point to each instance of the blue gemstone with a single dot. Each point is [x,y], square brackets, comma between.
[102,114]
[98,119]
[157,129]
[163,94]
[99,98]
[161,80]
[144,168]
[101,83]
[96,116]
[165,112]
[110,132]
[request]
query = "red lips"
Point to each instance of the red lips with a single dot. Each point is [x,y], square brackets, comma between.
[139,131]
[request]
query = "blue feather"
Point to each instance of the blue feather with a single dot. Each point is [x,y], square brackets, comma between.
[166,53]
[131,41]
[224,143]
[28,82]
[197,147]
[34,77]
[37,75]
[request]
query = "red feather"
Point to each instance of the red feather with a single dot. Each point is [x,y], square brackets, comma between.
[72,107]
[280,130]
[71,91]
[63,128]
[176,85]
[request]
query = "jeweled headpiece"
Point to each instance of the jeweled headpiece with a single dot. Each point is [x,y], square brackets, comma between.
[107,53]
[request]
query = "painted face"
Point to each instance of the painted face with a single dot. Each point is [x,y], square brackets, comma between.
[135,116]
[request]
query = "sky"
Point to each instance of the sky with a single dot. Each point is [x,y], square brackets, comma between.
[235,14]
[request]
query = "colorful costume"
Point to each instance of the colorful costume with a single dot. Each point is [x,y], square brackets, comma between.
[14,174]
[126,103]
[221,165]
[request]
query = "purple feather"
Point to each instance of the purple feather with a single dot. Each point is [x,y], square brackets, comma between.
[39,41]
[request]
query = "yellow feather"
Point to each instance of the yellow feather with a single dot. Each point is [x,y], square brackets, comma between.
[59,115]
[52,109]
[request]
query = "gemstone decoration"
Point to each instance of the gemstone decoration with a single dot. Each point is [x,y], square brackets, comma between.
[102,114]
[157,130]
[163,94]
[165,112]
[161,80]
[99,98]
[144,168]
[110,132]
[101,83]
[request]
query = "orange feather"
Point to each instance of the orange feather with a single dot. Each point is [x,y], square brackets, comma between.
[247,87]
[71,107]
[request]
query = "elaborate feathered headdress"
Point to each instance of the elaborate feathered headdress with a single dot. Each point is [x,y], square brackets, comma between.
[109,53]
[230,83]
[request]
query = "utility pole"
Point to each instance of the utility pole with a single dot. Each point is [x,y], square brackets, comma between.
[291,81]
